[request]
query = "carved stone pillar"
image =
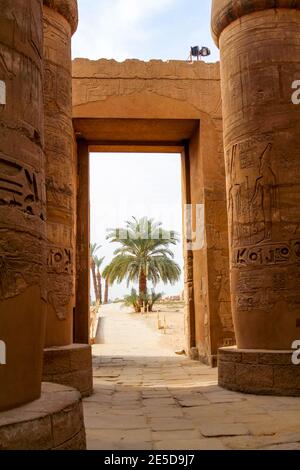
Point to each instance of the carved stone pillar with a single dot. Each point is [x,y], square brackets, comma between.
[60,22]
[189,304]
[22,202]
[82,312]
[259,61]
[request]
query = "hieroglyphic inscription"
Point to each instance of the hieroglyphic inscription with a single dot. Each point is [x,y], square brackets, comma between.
[22,263]
[262,290]
[60,260]
[265,255]
[20,188]
[253,199]
[60,280]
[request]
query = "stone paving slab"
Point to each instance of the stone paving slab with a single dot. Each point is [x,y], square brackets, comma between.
[188,444]
[146,397]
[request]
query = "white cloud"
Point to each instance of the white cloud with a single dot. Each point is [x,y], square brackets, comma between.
[134,11]
[111,29]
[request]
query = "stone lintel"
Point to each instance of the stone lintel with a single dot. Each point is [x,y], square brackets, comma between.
[111,69]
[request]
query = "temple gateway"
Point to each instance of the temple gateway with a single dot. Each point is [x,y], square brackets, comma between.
[237,129]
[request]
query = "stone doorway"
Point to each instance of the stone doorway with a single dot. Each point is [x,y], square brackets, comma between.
[161,107]
[84,281]
[130,187]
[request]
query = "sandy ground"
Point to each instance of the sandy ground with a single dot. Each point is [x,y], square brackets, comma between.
[167,322]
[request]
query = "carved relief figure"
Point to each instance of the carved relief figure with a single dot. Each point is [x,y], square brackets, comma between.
[264,200]
[60,282]
[234,199]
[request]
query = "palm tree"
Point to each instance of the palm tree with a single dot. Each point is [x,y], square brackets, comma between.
[94,247]
[98,262]
[153,298]
[132,300]
[143,255]
[148,300]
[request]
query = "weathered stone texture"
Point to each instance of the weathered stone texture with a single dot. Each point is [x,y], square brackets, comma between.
[22,202]
[60,169]
[66,8]
[70,365]
[136,98]
[227,11]
[195,86]
[261,136]
[260,372]
[54,422]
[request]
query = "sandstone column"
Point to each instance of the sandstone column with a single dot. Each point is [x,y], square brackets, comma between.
[22,202]
[259,61]
[60,22]
[82,313]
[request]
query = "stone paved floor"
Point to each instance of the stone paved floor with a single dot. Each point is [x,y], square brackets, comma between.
[148,398]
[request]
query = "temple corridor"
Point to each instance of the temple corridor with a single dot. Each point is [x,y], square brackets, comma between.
[147,397]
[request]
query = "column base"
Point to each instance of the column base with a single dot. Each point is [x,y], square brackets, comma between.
[258,372]
[53,422]
[71,366]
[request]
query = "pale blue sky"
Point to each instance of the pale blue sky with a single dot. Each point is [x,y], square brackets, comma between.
[139,184]
[142,29]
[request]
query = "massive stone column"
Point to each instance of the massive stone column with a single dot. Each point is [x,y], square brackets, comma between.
[54,418]
[259,47]
[22,202]
[64,365]
[82,314]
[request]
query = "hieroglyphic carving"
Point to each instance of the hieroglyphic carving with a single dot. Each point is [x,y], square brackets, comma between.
[59,169]
[255,221]
[261,135]
[264,200]
[253,193]
[22,263]
[189,311]
[60,260]
[266,255]
[57,89]
[20,187]
[263,289]
[60,280]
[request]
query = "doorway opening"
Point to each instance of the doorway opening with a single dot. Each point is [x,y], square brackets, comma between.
[131,311]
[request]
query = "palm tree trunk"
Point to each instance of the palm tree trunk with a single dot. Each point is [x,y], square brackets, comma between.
[93,268]
[106,291]
[142,285]
[99,287]
[143,290]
